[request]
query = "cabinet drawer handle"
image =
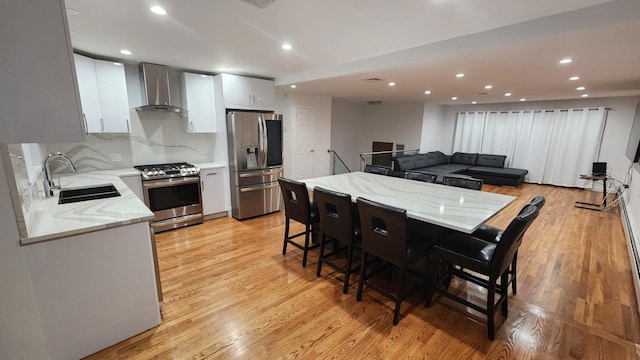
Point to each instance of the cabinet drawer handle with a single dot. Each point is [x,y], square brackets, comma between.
[128,130]
[101,124]
[215,173]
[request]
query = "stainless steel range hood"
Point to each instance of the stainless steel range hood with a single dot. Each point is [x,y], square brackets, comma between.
[155,89]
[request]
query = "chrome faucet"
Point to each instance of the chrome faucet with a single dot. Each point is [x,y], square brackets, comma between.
[49,184]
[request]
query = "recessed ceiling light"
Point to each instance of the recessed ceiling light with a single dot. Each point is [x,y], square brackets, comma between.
[159,10]
[565,61]
[459,75]
[223,69]
[293,86]
[585,95]
[71,11]
[574,78]
[580,88]
[287,46]
[488,87]
[454,98]
[474,102]
[392,84]
[523,99]
[507,94]
[125,52]
[117,64]
[203,75]
[427,92]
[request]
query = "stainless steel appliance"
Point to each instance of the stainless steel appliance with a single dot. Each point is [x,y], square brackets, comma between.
[172,192]
[255,158]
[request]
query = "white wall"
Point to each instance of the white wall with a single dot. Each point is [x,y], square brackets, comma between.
[286,104]
[356,126]
[346,130]
[616,133]
[21,335]
[434,125]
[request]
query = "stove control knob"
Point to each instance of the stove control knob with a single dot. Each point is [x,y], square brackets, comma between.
[154,172]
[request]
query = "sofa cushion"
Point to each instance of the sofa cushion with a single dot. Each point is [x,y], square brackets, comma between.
[496,161]
[402,163]
[503,172]
[434,158]
[421,160]
[464,158]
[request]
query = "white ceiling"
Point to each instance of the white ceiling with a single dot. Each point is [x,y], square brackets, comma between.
[514,45]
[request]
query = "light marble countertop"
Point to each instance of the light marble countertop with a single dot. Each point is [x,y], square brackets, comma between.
[209,165]
[53,220]
[451,207]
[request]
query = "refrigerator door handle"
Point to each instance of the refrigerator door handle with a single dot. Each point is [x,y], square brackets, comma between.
[265,142]
[262,143]
[260,188]
[246,175]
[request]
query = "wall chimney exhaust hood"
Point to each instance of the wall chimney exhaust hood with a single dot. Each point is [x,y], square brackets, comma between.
[155,89]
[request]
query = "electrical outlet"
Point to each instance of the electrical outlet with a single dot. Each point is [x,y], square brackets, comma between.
[116,157]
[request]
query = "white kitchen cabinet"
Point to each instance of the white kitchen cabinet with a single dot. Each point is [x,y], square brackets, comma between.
[39,99]
[103,90]
[213,194]
[94,290]
[247,93]
[88,86]
[199,95]
[112,89]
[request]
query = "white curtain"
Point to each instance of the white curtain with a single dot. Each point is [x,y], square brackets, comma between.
[532,143]
[500,134]
[469,130]
[556,146]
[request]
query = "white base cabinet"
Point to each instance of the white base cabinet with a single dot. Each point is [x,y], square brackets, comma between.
[213,182]
[94,290]
[247,93]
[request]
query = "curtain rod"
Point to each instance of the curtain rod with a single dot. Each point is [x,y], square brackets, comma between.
[528,111]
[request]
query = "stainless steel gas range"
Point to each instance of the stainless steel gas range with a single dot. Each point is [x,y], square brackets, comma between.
[172,192]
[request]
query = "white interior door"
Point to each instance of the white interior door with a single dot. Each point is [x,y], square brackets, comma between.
[305,142]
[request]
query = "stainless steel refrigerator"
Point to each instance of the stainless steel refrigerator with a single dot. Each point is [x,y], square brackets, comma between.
[255,160]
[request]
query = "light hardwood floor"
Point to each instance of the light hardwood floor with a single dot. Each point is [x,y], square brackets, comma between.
[229,293]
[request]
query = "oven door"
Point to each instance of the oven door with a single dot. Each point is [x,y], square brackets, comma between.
[174,202]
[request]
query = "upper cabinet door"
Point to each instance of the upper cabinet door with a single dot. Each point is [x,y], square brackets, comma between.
[263,94]
[198,97]
[88,86]
[39,99]
[112,89]
[247,93]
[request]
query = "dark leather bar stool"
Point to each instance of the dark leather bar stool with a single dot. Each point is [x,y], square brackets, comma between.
[466,182]
[493,235]
[298,207]
[420,176]
[339,226]
[480,257]
[385,236]
[377,169]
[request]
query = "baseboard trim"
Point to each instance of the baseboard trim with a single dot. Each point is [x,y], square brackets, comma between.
[633,245]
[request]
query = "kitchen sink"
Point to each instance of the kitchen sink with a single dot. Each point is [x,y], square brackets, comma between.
[85,193]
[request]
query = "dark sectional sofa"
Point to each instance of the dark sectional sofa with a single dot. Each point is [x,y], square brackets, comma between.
[489,168]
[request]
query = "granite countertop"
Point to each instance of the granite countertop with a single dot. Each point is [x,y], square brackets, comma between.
[54,221]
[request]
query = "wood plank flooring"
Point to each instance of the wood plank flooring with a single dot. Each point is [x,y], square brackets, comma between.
[229,293]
